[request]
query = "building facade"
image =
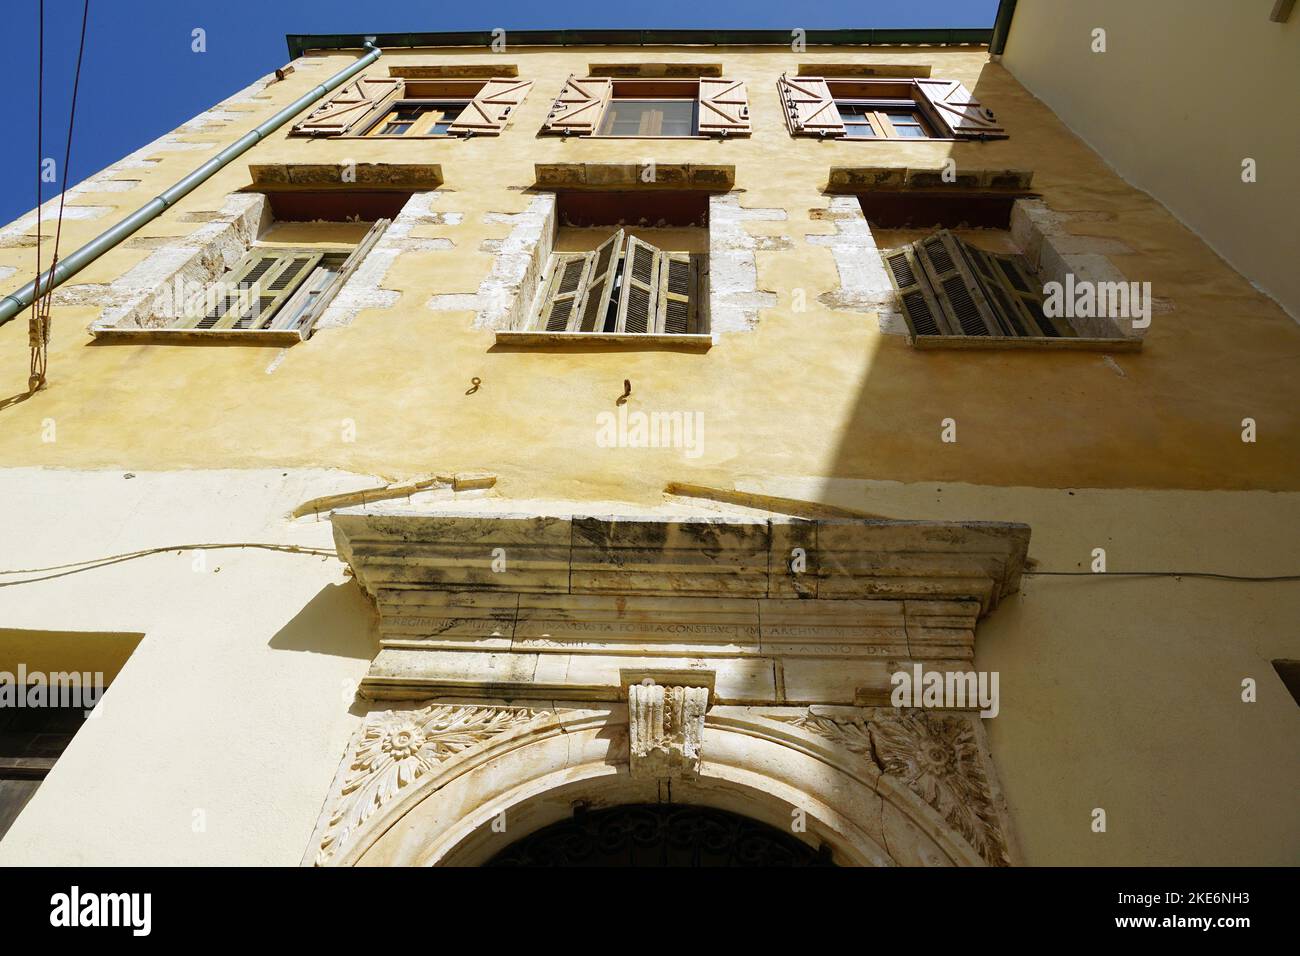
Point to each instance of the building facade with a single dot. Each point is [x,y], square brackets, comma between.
[535,439]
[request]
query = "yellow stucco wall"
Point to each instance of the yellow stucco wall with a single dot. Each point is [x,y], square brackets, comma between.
[1184,92]
[1116,693]
[821,389]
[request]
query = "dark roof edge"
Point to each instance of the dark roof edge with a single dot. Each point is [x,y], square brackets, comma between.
[1002,26]
[300,43]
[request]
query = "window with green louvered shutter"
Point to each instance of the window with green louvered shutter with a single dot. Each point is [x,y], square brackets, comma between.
[946,286]
[678,300]
[560,303]
[248,297]
[625,286]
[924,317]
[601,284]
[638,304]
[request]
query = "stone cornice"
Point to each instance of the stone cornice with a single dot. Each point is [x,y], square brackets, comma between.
[763,610]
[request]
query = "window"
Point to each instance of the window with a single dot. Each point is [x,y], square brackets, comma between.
[31,742]
[865,109]
[882,119]
[418,118]
[274,293]
[649,118]
[603,106]
[402,106]
[946,286]
[625,286]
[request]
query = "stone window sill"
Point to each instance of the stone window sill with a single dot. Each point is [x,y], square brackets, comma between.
[1025,342]
[194,336]
[580,341]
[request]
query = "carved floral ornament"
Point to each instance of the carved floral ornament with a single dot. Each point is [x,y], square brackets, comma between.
[935,756]
[398,748]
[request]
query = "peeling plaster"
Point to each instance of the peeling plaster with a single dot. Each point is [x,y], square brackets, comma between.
[734,296]
[364,289]
[505,296]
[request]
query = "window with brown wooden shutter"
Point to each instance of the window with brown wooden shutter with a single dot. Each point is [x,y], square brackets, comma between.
[864,108]
[580,105]
[724,107]
[625,286]
[349,104]
[960,112]
[490,109]
[650,108]
[809,107]
[946,286]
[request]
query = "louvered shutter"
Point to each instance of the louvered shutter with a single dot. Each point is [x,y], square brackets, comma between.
[638,305]
[490,109]
[677,294]
[956,289]
[321,294]
[960,112]
[600,284]
[580,105]
[274,278]
[1019,306]
[561,304]
[226,293]
[349,104]
[914,294]
[724,107]
[809,107]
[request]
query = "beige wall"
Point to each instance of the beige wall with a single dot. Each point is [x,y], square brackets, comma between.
[1115,693]
[1186,90]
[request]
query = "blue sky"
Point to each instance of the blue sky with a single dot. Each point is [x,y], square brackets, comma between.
[141,79]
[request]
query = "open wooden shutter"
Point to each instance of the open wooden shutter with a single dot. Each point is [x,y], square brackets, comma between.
[1019,306]
[923,314]
[960,112]
[958,293]
[351,102]
[678,298]
[224,294]
[315,294]
[600,284]
[490,109]
[724,107]
[809,107]
[561,304]
[638,305]
[580,105]
[268,284]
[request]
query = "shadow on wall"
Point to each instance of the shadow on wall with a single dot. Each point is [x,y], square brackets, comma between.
[339,621]
[1036,418]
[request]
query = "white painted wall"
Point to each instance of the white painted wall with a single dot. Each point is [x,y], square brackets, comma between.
[1185,90]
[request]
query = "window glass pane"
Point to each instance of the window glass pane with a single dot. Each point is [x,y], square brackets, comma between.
[910,132]
[649,118]
[860,130]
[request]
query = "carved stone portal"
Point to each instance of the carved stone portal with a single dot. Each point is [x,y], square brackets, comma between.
[769,694]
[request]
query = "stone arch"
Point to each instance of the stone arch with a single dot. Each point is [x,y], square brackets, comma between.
[469,766]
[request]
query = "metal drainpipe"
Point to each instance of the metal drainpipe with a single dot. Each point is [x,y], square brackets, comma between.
[74,262]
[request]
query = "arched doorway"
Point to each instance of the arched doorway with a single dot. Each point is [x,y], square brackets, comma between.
[660,834]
